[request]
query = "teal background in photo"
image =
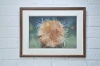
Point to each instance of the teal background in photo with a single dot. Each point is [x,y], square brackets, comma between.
[69,23]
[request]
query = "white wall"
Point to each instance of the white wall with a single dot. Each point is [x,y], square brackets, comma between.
[9,34]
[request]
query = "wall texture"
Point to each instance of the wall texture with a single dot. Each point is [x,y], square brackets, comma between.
[9,34]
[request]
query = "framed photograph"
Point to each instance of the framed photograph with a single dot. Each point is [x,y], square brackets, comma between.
[52,31]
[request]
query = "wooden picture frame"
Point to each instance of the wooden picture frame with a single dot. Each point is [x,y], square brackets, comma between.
[40,38]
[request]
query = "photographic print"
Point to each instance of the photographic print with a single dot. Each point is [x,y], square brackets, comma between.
[52,31]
